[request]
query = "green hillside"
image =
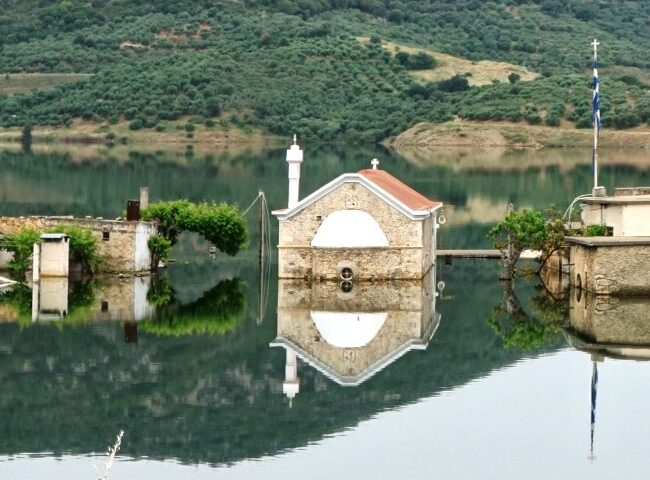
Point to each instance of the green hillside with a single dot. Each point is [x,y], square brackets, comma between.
[299,66]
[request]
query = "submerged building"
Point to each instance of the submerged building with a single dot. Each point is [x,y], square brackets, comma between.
[363,225]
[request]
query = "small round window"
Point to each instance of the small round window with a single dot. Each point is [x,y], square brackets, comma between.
[346,273]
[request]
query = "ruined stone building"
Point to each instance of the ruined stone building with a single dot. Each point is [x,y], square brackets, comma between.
[123,244]
[363,225]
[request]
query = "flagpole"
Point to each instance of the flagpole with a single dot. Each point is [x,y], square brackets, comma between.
[596,112]
[594,392]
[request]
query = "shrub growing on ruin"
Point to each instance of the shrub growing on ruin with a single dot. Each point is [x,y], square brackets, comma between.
[21,244]
[84,247]
[219,223]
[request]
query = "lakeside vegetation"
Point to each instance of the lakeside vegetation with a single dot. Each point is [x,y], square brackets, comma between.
[298,67]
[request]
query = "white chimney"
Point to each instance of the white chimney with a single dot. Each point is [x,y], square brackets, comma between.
[294,159]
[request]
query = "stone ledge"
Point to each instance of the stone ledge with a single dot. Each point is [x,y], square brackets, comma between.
[608,241]
[617,200]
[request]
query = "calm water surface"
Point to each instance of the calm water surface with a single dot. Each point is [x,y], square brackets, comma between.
[193,365]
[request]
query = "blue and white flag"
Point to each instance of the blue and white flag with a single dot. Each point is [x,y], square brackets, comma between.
[595,103]
[595,84]
[594,392]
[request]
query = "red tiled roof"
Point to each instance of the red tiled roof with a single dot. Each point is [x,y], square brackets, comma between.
[402,192]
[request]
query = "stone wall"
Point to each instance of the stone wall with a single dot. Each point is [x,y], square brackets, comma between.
[556,271]
[428,239]
[364,296]
[118,240]
[611,269]
[403,259]
[367,263]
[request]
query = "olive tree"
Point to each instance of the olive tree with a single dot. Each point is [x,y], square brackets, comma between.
[518,231]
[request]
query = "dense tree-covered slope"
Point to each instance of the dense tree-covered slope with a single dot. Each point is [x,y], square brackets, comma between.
[298,66]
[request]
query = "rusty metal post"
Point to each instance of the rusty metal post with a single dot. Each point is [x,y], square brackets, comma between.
[133,210]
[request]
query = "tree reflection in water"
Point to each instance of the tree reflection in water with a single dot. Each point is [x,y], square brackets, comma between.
[217,311]
[528,331]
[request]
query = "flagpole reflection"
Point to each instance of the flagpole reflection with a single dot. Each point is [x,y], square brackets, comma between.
[594,392]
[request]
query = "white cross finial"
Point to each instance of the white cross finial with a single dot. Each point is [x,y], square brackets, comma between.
[295,139]
[374,163]
[595,44]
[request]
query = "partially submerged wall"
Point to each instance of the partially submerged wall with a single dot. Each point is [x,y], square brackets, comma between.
[122,244]
[611,265]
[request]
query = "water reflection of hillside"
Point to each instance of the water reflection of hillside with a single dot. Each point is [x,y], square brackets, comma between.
[70,389]
[461,159]
[34,183]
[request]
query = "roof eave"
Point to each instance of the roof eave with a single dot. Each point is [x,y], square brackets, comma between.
[285,214]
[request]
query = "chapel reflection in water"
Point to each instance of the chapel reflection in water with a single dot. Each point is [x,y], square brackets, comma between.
[351,332]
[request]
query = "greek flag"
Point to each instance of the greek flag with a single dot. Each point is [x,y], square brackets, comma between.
[595,84]
[595,102]
[594,392]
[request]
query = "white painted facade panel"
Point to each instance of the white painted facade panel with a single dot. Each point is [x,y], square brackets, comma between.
[349,229]
[143,232]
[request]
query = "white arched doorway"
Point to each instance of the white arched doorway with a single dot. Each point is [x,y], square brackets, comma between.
[349,229]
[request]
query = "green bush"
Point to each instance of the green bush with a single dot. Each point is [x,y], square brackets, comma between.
[221,224]
[595,231]
[514,78]
[160,248]
[84,247]
[137,124]
[21,244]
[217,311]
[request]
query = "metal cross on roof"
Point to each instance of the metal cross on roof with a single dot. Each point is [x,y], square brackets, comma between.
[374,163]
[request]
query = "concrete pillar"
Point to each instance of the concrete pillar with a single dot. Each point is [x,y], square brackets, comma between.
[36,263]
[144,197]
[53,256]
[53,298]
